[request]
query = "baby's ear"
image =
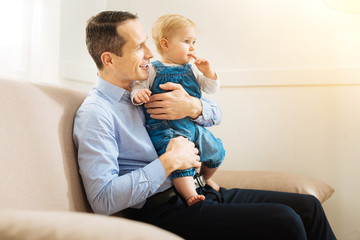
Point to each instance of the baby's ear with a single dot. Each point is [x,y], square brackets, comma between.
[164,44]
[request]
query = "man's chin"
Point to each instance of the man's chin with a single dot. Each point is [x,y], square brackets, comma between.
[142,75]
[143,78]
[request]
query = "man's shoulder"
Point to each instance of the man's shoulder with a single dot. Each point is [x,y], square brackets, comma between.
[95,104]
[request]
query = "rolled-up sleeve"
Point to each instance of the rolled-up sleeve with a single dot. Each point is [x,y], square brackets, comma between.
[211,113]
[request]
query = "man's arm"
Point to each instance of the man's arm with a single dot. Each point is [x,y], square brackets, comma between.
[211,113]
[98,151]
[178,104]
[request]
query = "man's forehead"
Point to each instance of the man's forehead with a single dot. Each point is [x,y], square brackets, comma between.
[132,31]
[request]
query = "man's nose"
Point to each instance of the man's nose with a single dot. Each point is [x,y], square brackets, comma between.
[148,53]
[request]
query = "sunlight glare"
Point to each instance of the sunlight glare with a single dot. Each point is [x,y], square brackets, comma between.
[11,23]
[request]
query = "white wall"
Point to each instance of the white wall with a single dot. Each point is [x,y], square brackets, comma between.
[290,85]
[77,67]
[308,130]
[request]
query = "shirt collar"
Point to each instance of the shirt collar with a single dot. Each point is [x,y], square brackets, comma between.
[109,89]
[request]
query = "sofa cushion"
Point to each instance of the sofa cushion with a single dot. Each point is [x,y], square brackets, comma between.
[274,181]
[36,225]
[37,155]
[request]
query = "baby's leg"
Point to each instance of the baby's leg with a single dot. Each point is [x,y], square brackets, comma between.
[185,186]
[207,174]
[211,154]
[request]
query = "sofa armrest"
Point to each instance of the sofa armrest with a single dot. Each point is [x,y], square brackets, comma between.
[274,181]
[36,225]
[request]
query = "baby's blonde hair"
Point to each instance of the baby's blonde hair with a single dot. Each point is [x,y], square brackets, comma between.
[167,25]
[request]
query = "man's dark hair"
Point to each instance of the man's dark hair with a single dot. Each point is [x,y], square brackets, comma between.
[101,34]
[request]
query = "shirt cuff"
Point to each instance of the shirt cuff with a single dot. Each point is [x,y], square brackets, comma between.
[156,174]
[205,114]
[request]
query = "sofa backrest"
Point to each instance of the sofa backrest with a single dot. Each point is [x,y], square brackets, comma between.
[38,167]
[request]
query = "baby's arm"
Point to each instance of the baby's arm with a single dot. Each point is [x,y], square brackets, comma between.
[204,66]
[208,85]
[140,92]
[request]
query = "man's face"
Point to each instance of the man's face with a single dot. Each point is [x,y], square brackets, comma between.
[133,64]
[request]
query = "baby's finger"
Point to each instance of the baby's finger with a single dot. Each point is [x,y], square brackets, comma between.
[146,98]
[137,99]
[148,92]
[200,60]
[142,98]
[193,56]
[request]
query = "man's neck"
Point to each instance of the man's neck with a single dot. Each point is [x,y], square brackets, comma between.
[113,80]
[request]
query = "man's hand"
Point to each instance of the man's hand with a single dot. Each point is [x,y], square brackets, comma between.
[173,105]
[180,154]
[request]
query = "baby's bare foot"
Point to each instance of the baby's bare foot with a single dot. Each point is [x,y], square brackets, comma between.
[195,199]
[213,184]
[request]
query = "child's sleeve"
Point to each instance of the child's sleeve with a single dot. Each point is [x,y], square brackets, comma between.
[207,85]
[137,85]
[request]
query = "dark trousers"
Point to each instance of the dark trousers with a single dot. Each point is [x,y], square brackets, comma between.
[243,214]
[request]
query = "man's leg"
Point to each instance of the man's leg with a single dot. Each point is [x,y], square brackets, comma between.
[244,214]
[307,207]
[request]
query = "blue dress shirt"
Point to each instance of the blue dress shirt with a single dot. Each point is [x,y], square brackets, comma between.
[118,163]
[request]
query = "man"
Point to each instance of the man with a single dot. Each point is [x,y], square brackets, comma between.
[120,168]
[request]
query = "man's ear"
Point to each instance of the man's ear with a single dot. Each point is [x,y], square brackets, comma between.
[164,44]
[106,58]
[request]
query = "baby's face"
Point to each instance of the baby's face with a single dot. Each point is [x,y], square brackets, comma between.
[181,45]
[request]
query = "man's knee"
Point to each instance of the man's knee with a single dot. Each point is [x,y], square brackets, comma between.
[289,224]
[311,201]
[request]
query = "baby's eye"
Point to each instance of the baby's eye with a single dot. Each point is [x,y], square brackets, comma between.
[187,41]
[193,43]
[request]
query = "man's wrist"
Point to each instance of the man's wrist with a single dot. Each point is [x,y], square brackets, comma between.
[196,109]
[168,167]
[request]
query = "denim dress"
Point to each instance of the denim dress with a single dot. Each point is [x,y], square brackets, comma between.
[211,150]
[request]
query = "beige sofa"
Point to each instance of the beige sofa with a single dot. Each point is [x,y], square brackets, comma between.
[41,192]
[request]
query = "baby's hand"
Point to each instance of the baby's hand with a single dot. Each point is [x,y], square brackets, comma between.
[142,96]
[204,66]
